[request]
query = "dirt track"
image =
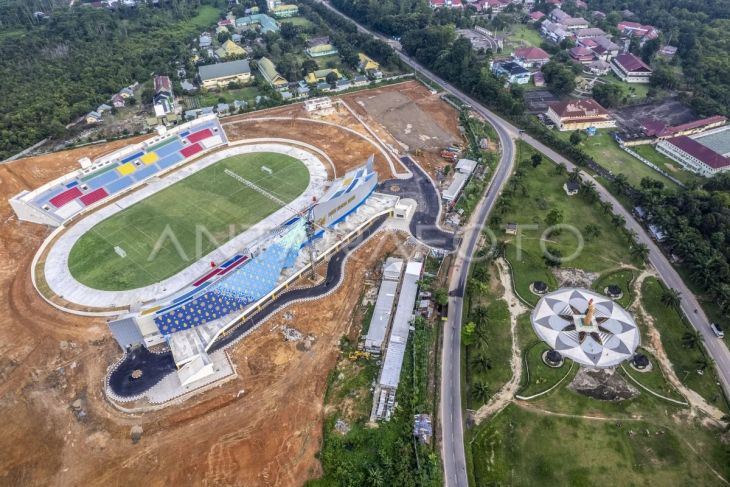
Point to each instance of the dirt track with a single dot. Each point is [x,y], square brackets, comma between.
[266,435]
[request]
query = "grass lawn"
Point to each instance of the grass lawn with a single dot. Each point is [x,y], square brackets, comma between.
[208,200]
[653,379]
[688,359]
[606,152]
[632,91]
[212,98]
[323,61]
[529,205]
[537,377]
[298,21]
[207,16]
[649,152]
[621,278]
[521,447]
[521,33]
[486,359]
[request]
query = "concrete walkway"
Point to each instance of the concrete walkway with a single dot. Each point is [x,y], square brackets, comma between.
[63,284]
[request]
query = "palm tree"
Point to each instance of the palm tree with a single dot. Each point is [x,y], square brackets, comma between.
[671,298]
[621,182]
[640,251]
[375,477]
[480,391]
[618,220]
[606,207]
[481,362]
[574,175]
[690,339]
[560,169]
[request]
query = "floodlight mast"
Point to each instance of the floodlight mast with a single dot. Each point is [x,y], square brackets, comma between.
[308,214]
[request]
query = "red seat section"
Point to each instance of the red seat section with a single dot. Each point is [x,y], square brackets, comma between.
[190,150]
[94,196]
[66,197]
[198,136]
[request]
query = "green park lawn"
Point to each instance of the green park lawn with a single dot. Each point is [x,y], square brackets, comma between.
[298,21]
[538,192]
[207,201]
[606,152]
[520,33]
[622,278]
[211,98]
[650,153]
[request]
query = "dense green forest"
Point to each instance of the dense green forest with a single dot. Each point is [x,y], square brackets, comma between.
[58,68]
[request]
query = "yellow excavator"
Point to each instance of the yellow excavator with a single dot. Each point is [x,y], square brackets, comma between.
[358,354]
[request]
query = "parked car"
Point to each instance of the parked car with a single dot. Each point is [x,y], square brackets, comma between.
[717,330]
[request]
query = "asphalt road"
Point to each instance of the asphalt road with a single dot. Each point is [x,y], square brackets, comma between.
[450,405]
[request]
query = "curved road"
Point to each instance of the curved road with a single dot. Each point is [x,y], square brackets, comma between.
[450,405]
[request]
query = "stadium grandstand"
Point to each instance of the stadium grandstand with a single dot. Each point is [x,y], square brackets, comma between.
[192,319]
[59,200]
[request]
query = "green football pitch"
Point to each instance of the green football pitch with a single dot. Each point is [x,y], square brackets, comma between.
[171,229]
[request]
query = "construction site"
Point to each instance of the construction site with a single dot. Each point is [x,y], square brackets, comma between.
[262,425]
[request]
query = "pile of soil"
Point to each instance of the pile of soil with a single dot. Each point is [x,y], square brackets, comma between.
[602,384]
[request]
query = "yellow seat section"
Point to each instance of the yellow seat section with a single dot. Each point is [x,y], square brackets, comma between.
[127,168]
[149,158]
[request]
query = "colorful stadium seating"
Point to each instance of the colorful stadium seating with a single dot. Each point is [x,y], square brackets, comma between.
[118,175]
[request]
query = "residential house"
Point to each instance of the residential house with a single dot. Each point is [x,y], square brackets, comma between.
[538,79]
[266,23]
[446,3]
[575,23]
[571,188]
[270,74]
[555,32]
[598,15]
[118,101]
[536,16]
[237,38]
[515,73]
[239,105]
[343,84]
[220,75]
[205,40]
[630,68]
[222,109]
[103,108]
[589,33]
[320,76]
[198,112]
[495,6]
[635,29]
[605,48]
[366,63]
[581,54]
[187,86]
[285,11]
[93,117]
[667,52]
[126,93]
[557,15]
[321,50]
[318,41]
[579,115]
[360,80]
[531,57]
[323,86]
[230,49]
[164,99]
[221,29]
[599,67]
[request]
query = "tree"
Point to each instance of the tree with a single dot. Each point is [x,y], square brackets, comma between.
[671,298]
[554,217]
[467,333]
[223,37]
[664,77]
[690,339]
[640,251]
[441,296]
[553,257]
[607,94]
[621,183]
[480,391]
[536,159]
[591,231]
[331,77]
[575,137]
[309,66]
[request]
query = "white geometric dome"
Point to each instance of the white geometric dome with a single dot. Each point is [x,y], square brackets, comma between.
[586,327]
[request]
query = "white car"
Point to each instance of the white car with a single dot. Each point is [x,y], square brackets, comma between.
[717,330]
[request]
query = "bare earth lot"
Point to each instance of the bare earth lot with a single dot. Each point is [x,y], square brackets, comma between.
[671,111]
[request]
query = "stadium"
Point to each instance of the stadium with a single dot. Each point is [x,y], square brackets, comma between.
[178,239]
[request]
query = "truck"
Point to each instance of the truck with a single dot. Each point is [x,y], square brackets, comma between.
[717,330]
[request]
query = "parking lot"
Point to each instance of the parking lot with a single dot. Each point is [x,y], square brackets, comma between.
[537,100]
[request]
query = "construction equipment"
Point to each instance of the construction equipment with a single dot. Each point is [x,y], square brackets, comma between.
[307,215]
[358,355]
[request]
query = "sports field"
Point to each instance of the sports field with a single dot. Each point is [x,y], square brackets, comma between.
[168,231]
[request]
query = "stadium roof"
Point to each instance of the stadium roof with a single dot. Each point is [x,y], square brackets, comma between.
[222,70]
[700,152]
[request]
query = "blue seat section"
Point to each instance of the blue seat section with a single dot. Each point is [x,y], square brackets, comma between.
[170,160]
[189,294]
[168,149]
[185,134]
[145,172]
[133,157]
[232,260]
[72,184]
[243,286]
[352,185]
[120,184]
[103,179]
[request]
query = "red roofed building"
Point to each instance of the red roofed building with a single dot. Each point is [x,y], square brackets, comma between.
[655,128]
[694,156]
[635,29]
[579,114]
[531,57]
[581,54]
[536,16]
[446,3]
[630,68]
